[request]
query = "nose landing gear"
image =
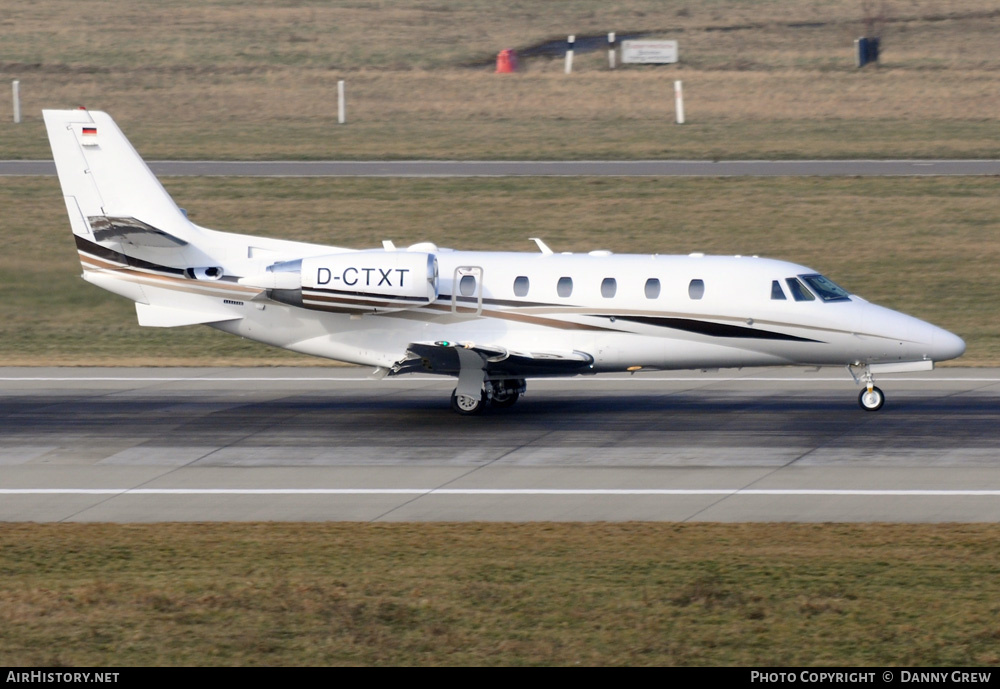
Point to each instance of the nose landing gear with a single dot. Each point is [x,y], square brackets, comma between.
[871,398]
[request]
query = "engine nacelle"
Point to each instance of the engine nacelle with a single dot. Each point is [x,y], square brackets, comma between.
[354,282]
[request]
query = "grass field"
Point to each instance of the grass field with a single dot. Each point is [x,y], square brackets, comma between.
[481,594]
[770,79]
[926,246]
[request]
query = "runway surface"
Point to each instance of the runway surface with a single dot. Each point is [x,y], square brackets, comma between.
[138,445]
[494,168]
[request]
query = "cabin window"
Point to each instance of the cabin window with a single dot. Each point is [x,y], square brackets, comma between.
[776,291]
[521,286]
[652,288]
[608,288]
[826,289]
[467,285]
[564,287]
[696,289]
[798,290]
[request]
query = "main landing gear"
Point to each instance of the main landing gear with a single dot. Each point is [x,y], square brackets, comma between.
[501,393]
[871,398]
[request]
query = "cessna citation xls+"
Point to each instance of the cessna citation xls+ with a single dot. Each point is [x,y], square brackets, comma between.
[491,319]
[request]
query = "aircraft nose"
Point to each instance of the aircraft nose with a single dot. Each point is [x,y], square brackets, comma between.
[946,345]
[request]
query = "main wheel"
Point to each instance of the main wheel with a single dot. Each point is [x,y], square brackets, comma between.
[506,393]
[466,405]
[871,400]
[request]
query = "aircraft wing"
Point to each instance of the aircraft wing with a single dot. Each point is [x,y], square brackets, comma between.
[450,357]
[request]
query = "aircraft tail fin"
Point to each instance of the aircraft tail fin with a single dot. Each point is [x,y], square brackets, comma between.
[131,237]
[114,201]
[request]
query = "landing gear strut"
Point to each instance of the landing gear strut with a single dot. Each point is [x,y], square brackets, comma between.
[871,398]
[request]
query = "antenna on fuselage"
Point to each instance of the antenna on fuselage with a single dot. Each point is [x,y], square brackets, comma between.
[542,246]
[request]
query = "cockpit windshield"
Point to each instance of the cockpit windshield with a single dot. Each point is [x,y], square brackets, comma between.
[826,289]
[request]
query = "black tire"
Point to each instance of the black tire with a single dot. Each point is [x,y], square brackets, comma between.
[467,406]
[871,401]
[505,394]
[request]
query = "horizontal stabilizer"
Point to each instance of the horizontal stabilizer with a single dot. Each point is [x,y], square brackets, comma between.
[132,231]
[166,317]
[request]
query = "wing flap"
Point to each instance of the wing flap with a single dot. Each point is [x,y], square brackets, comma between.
[443,357]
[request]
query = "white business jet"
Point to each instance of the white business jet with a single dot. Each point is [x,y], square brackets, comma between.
[491,319]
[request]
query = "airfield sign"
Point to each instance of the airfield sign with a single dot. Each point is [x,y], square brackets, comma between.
[649,52]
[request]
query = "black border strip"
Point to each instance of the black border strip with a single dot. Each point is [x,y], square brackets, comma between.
[83,244]
[713,329]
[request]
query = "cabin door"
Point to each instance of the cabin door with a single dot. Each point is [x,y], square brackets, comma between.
[467,291]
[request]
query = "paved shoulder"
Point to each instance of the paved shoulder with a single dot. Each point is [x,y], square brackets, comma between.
[494,168]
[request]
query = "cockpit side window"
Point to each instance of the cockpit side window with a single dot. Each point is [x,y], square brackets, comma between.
[798,290]
[825,288]
[776,291]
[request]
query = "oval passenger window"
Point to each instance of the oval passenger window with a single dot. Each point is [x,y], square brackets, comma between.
[521,286]
[652,288]
[467,285]
[696,289]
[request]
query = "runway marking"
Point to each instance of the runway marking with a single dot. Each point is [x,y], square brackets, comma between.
[504,491]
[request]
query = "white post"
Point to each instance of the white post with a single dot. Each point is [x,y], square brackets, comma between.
[569,53]
[17,101]
[341,106]
[611,50]
[679,102]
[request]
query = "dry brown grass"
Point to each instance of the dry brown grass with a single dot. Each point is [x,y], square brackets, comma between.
[925,246]
[238,79]
[499,594]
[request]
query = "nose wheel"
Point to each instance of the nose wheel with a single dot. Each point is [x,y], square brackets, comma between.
[871,399]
